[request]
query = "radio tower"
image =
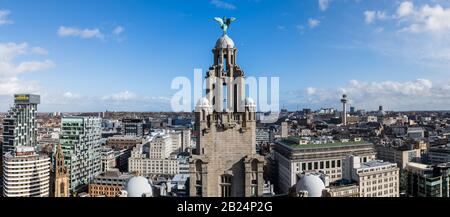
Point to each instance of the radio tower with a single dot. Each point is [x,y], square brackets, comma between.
[344,109]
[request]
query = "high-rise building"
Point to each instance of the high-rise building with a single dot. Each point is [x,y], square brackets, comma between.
[427,180]
[26,173]
[132,127]
[225,162]
[20,126]
[80,140]
[61,176]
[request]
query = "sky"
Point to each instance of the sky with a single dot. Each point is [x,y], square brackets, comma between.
[84,55]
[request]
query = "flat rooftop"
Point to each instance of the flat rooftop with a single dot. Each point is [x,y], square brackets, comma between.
[291,142]
[375,163]
[419,165]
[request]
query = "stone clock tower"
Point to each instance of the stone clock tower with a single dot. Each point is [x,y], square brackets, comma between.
[225,163]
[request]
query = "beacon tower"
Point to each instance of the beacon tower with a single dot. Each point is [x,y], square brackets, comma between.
[344,109]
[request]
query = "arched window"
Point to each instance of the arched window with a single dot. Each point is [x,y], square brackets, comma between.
[62,188]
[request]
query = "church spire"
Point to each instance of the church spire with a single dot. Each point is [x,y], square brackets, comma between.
[61,175]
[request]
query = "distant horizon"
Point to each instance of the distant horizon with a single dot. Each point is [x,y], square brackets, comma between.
[396,111]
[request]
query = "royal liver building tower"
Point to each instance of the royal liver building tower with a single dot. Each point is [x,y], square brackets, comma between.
[226,163]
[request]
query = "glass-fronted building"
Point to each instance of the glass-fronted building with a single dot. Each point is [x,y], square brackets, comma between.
[80,141]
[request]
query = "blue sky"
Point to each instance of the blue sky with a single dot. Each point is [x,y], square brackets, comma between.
[89,55]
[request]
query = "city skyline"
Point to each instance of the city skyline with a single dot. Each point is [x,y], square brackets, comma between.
[103,55]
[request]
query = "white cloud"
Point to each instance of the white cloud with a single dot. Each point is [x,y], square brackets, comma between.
[10,50]
[32,66]
[121,96]
[311,90]
[13,85]
[419,94]
[372,16]
[406,8]
[324,4]
[419,33]
[4,17]
[10,68]
[70,95]
[39,51]
[427,19]
[223,4]
[313,23]
[82,33]
[118,30]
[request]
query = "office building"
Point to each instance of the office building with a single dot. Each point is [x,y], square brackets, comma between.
[415,132]
[132,127]
[438,154]
[186,139]
[154,157]
[341,189]
[123,142]
[108,159]
[399,155]
[294,155]
[109,184]
[122,157]
[26,173]
[376,178]
[427,180]
[262,136]
[80,140]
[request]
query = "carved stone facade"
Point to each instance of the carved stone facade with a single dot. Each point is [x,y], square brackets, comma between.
[225,163]
[61,180]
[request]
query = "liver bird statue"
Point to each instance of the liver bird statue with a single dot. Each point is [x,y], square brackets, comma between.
[225,23]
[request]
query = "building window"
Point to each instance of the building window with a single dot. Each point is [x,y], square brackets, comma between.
[321,165]
[225,185]
[316,165]
[327,164]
